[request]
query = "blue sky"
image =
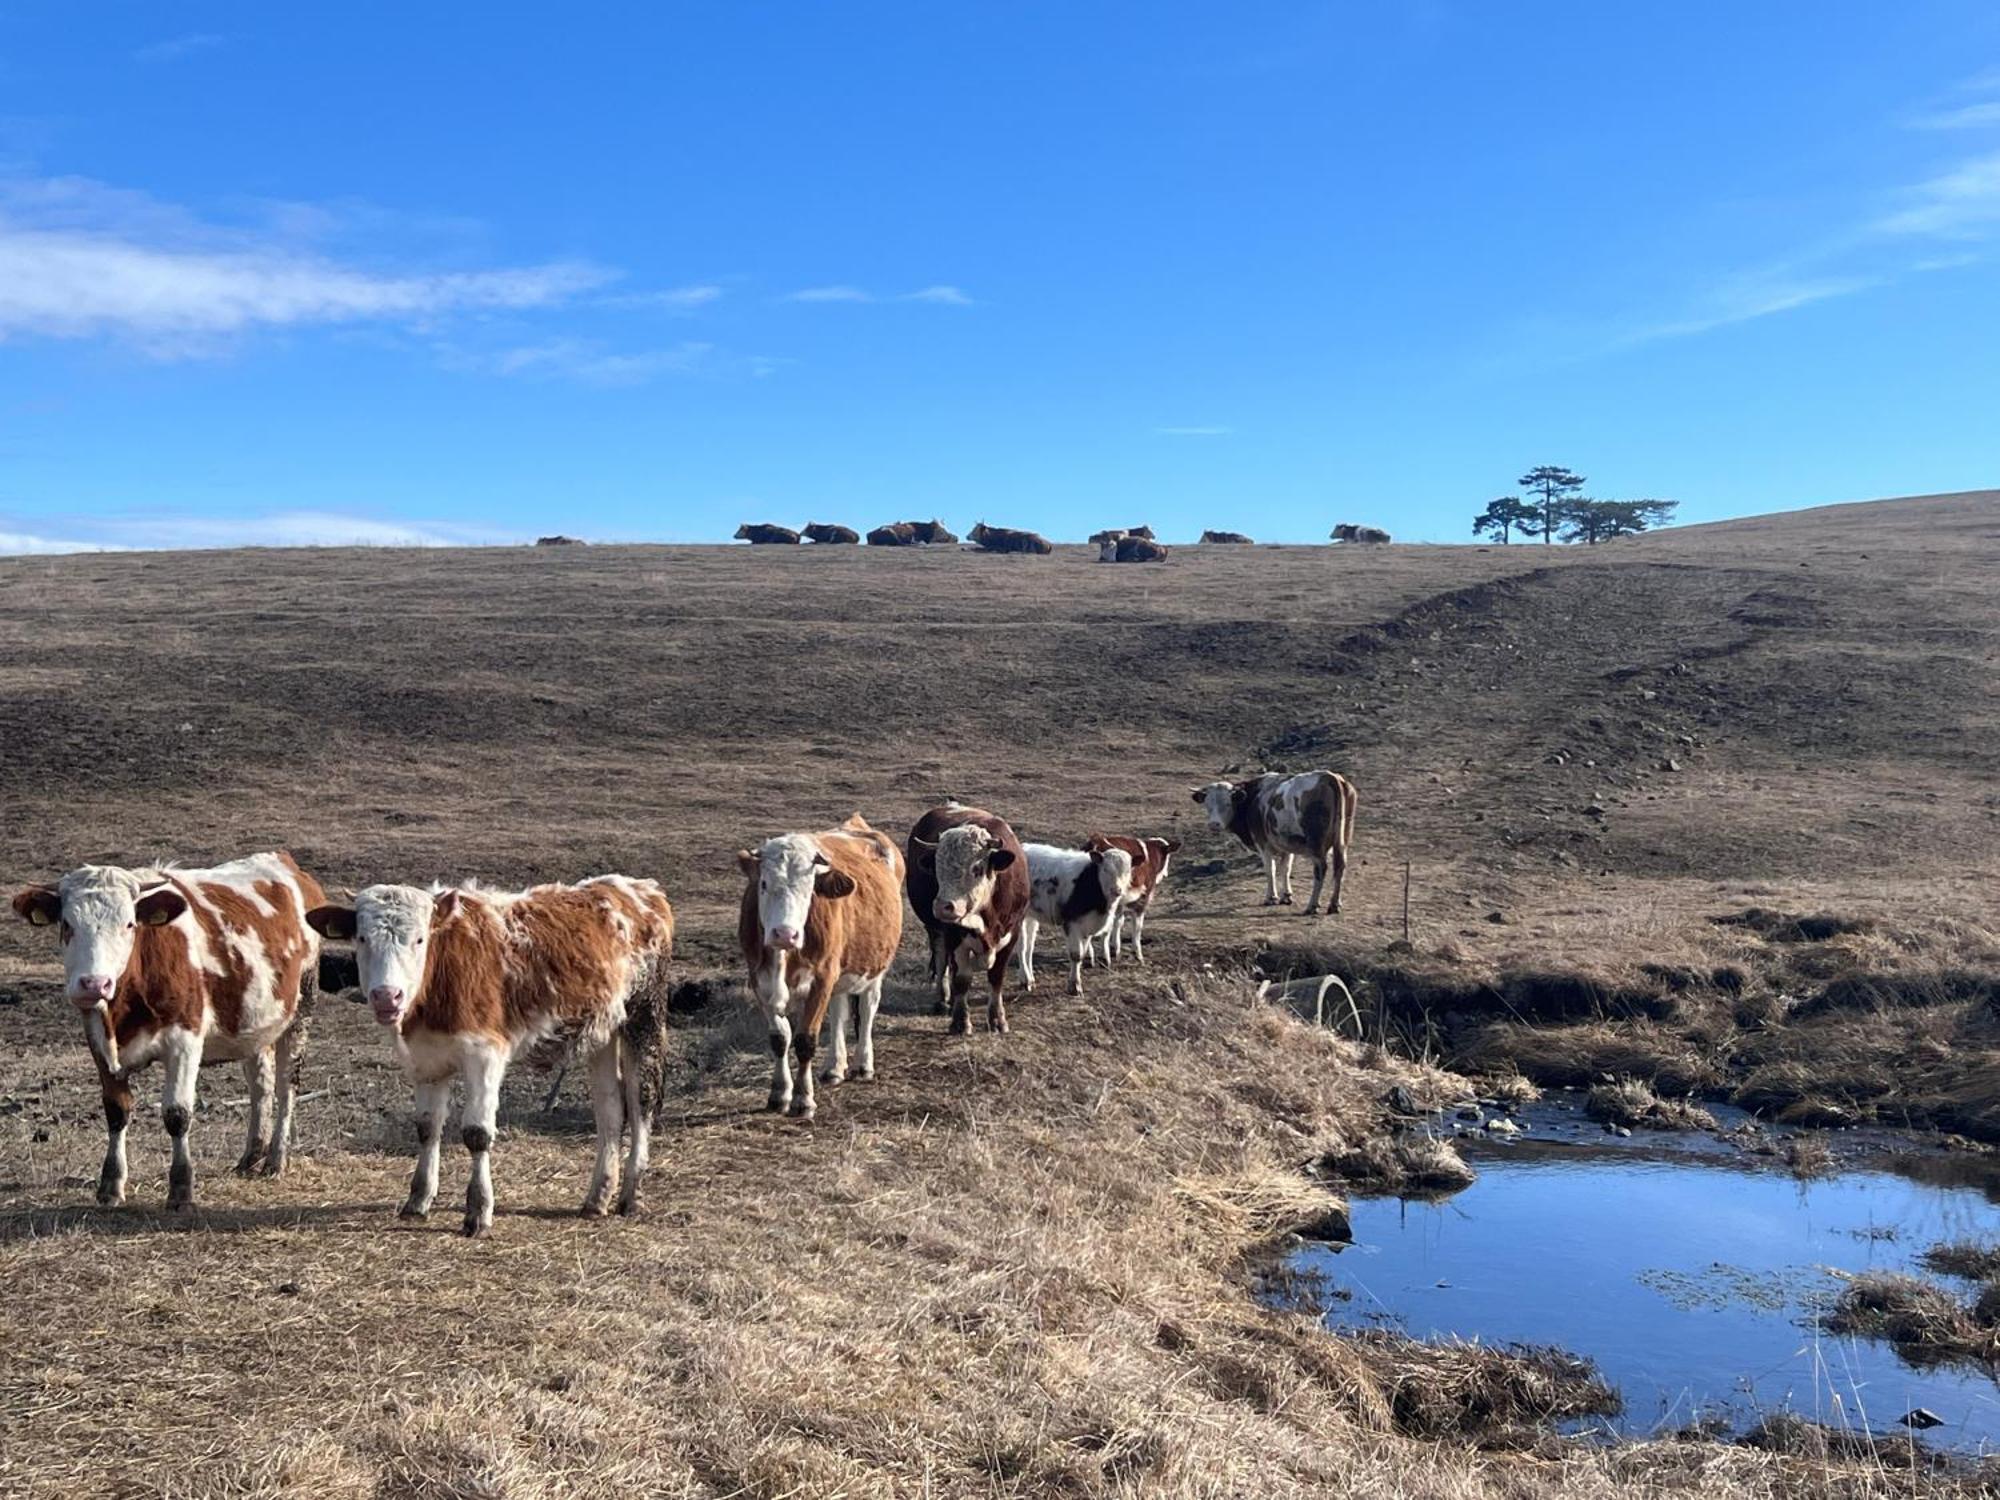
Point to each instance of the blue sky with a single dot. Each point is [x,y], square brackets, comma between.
[382,272]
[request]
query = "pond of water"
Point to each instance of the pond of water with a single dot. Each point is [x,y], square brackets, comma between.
[1694,1281]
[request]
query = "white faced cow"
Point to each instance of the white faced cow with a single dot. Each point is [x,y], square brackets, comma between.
[1282,817]
[187,967]
[820,921]
[468,978]
[1078,890]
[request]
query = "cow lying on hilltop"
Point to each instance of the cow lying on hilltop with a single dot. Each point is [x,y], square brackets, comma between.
[1235,538]
[968,884]
[1346,532]
[1078,890]
[761,535]
[468,979]
[895,534]
[820,532]
[1150,858]
[1131,549]
[932,533]
[1006,539]
[1285,816]
[187,967]
[820,921]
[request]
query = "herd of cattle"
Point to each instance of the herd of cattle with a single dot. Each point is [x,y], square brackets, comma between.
[1138,544]
[185,966]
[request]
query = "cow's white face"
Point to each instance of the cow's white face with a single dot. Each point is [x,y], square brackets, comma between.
[97,912]
[1114,874]
[390,926]
[1218,800]
[789,872]
[968,859]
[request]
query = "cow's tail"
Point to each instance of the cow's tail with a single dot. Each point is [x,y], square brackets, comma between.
[1349,800]
[645,1037]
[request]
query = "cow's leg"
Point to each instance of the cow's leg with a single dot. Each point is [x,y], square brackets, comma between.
[1270,880]
[835,1071]
[482,1071]
[258,1072]
[805,1041]
[781,1064]
[290,1056]
[1030,930]
[1285,889]
[996,978]
[940,970]
[1076,941]
[1339,859]
[433,1103]
[1319,884]
[117,1111]
[865,1005]
[1138,934]
[638,1121]
[958,968]
[181,1054]
[607,1107]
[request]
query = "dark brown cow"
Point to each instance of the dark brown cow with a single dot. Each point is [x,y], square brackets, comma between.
[1232,538]
[895,534]
[1368,535]
[932,533]
[1131,549]
[968,884]
[468,979]
[763,535]
[1006,539]
[1150,858]
[558,541]
[820,532]
[1144,533]
[820,921]
[189,966]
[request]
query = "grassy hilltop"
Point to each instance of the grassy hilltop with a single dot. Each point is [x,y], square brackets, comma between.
[1009,1266]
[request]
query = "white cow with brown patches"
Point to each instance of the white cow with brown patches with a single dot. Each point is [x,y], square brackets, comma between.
[1282,817]
[467,979]
[185,967]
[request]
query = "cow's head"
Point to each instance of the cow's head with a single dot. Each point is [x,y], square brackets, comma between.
[966,860]
[788,872]
[1114,873]
[97,912]
[390,927]
[1218,799]
[1163,850]
[743,532]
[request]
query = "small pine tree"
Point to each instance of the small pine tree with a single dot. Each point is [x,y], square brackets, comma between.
[1502,518]
[1558,488]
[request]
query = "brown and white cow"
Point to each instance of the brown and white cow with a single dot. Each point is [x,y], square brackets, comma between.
[1150,858]
[1225,538]
[764,534]
[1131,549]
[895,534]
[820,921]
[1077,890]
[187,967]
[830,535]
[1347,531]
[1007,539]
[1282,817]
[933,533]
[467,979]
[968,885]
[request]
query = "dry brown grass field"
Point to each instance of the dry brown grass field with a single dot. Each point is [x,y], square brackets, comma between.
[1010,1266]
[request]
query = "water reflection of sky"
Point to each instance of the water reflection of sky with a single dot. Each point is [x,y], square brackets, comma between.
[1692,1285]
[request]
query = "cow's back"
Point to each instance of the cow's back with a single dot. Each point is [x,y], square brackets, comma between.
[868,922]
[234,963]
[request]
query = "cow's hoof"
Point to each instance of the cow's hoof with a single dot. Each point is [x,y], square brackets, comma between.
[940,1008]
[999,1027]
[271,1166]
[180,1203]
[1284,901]
[831,1079]
[801,1110]
[775,1104]
[628,1207]
[247,1163]
[1270,900]
[473,1229]
[864,1075]
[110,1197]
[593,1208]
[414,1210]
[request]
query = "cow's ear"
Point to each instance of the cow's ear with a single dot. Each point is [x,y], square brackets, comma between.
[1169,846]
[336,922]
[447,907]
[1096,842]
[833,883]
[746,861]
[159,906]
[1200,795]
[39,905]
[999,859]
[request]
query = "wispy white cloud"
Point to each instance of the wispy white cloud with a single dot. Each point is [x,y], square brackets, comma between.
[585,360]
[1743,297]
[829,294]
[674,299]
[1192,431]
[942,294]
[80,260]
[1963,117]
[291,528]
[1960,202]
[23,543]
[173,49]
